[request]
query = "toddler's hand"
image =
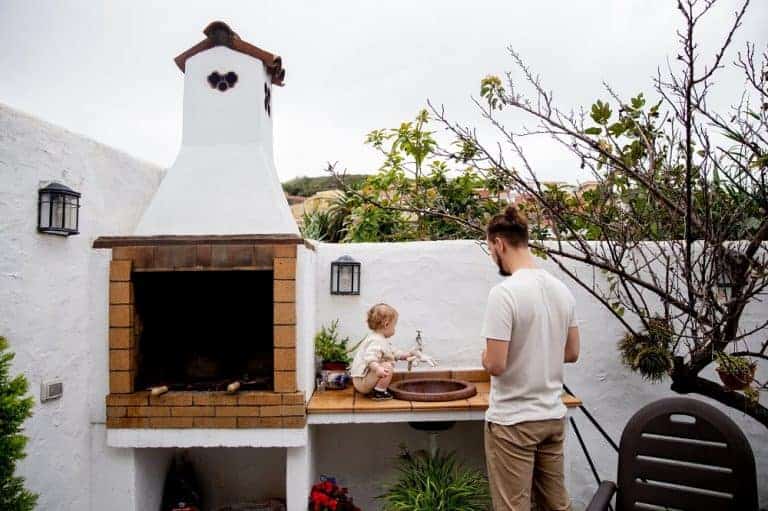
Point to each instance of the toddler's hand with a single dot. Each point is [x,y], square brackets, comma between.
[383,370]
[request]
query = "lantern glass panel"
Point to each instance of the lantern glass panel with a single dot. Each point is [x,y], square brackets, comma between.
[334,279]
[346,279]
[70,217]
[45,210]
[57,220]
[356,279]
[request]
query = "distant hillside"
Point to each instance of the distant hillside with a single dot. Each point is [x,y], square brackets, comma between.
[308,186]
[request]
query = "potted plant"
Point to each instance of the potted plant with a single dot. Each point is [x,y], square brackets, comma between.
[329,496]
[429,482]
[331,350]
[736,373]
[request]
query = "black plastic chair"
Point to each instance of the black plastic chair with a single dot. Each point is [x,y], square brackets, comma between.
[684,454]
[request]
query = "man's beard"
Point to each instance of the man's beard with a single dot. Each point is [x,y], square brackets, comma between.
[502,271]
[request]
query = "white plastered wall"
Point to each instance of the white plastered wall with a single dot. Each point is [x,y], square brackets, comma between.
[53,304]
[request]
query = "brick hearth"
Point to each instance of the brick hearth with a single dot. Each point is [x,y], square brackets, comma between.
[129,408]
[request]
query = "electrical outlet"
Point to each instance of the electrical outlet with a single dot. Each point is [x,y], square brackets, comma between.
[51,389]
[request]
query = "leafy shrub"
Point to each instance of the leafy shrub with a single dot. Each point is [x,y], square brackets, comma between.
[329,345]
[436,483]
[14,410]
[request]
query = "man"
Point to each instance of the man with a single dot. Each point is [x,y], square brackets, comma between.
[530,331]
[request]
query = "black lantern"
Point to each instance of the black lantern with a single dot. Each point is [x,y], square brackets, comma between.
[723,279]
[345,276]
[58,210]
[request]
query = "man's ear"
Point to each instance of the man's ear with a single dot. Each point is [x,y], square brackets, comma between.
[500,247]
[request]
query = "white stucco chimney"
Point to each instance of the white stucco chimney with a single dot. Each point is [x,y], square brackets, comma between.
[224,180]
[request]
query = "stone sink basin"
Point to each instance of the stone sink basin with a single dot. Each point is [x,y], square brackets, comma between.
[432,389]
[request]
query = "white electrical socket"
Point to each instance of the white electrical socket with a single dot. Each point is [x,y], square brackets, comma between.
[51,389]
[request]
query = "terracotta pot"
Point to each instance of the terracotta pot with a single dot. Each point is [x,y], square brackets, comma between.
[334,366]
[737,381]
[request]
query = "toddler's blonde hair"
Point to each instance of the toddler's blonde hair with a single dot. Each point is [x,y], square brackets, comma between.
[379,315]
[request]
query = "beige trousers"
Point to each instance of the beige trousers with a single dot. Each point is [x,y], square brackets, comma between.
[525,462]
[365,384]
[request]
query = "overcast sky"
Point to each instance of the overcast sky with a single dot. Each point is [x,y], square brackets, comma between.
[105,69]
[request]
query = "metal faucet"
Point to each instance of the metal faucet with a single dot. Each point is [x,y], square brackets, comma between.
[419,347]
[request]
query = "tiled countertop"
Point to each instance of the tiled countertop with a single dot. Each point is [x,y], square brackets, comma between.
[340,406]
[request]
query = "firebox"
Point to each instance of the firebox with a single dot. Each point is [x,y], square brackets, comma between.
[204,330]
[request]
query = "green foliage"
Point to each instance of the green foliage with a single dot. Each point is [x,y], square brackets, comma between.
[492,91]
[305,186]
[436,483]
[415,179]
[649,353]
[329,345]
[737,366]
[14,410]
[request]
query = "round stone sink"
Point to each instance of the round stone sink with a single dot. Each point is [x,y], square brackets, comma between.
[432,389]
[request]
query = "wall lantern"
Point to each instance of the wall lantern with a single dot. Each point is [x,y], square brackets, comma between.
[345,276]
[58,210]
[723,280]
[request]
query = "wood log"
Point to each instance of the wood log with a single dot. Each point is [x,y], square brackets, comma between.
[157,391]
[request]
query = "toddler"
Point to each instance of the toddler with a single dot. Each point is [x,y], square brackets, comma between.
[375,358]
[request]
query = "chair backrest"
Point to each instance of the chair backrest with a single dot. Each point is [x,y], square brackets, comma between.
[684,454]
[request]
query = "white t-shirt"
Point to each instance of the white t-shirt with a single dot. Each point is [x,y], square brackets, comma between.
[374,348]
[533,311]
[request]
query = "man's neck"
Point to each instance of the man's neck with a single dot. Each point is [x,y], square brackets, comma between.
[522,260]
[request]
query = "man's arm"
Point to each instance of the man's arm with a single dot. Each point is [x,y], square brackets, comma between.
[572,345]
[495,356]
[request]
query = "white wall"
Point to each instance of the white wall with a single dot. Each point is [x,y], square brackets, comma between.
[438,287]
[441,288]
[306,294]
[53,296]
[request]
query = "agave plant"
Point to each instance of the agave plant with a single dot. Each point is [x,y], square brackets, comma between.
[436,483]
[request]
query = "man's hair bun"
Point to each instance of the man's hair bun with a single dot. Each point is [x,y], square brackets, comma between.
[512,214]
[510,225]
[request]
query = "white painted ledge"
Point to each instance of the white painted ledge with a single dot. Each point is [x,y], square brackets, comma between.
[403,416]
[193,437]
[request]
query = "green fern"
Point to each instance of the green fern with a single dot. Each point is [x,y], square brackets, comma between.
[436,483]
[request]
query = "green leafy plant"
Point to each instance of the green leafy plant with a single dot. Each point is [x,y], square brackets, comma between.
[14,410]
[330,346]
[649,352]
[737,373]
[418,191]
[436,483]
[736,366]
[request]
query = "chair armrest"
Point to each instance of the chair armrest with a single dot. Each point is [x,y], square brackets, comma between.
[602,497]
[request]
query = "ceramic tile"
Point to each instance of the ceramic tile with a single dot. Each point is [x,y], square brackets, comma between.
[331,401]
[364,404]
[478,401]
[571,401]
[459,404]
[483,387]
[473,375]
